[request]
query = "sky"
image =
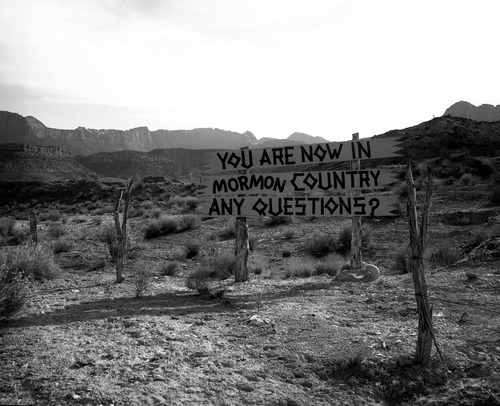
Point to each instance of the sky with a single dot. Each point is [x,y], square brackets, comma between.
[326,68]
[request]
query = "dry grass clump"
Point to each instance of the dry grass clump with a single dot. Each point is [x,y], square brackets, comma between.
[320,244]
[192,249]
[229,230]
[402,261]
[142,282]
[288,233]
[277,220]
[169,269]
[468,179]
[345,238]
[59,246]
[300,268]
[13,288]
[7,225]
[188,222]
[330,265]
[56,230]
[34,262]
[445,255]
[54,215]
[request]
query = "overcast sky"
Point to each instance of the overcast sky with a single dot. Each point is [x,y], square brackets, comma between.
[273,67]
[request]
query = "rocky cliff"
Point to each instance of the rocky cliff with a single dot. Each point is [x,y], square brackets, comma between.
[485,112]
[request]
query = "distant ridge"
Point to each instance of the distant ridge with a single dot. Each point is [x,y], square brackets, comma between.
[464,109]
[84,141]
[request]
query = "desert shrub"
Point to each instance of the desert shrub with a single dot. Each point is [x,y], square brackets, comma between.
[19,236]
[56,230]
[64,219]
[445,255]
[7,225]
[54,215]
[13,288]
[467,179]
[32,261]
[168,225]
[252,243]
[301,268]
[152,230]
[148,204]
[188,222]
[345,237]
[199,280]
[494,195]
[142,282]
[97,220]
[288,233]
[156,213]
[329,265]
[229,230]
[190,203]
[471,276]
[43,216]
[59,246]
[96,264]
[219,264]
[483,167]
[286,253]
[277,220]
[169,269]
[192,249]
[402,190]
[478,236]
[320,244]
[401,261]
[107,233]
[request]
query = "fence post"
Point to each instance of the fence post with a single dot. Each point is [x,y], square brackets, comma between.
[356,258]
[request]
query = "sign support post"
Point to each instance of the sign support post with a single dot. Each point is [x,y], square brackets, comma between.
[356,258]
[241,249]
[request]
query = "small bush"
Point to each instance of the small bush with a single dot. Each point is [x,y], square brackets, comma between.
[277,221]
[229,230]
[199,281]
[252,243]
[402,261]
[59,246]
[288,233]
[142,282]
[168,225]
[107,234]
[301,268]
[320,244]
[471,276]
[43,216]
[156,213]
[191,203]
[445,255]
[169,269]
[13,289]
[97,220]
[152,230]
[330,265]
[188,222]
[56,230]
[494,195]
[467,179]
[286,254]
[192,249]
[345,238]
[32,261]
[19,236]
[54,215]
[7,225]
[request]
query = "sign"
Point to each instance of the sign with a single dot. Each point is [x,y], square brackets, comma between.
[346,206]
[295,182]
[283,156]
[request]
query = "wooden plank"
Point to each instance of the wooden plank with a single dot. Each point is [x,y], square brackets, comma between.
[321,206]
[308,154]
[295,182]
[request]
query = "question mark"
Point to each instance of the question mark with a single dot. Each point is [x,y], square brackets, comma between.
[374,204]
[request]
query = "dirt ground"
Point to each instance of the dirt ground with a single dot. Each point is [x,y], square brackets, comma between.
[83,339]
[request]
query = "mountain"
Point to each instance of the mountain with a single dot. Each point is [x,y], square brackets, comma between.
[305,138]
[83,141]
[485,112]
[25,162]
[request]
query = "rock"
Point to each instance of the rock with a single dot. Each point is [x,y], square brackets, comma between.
[367,273]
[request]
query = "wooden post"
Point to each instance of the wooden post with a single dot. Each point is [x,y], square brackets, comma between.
[121,232]
[33,228]
[241,249]
[417,245]
[356,258]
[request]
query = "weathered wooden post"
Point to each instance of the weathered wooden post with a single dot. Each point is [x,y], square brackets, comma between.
[121,232]
[241,249]
[33,228]
[417,245]
[356,258]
